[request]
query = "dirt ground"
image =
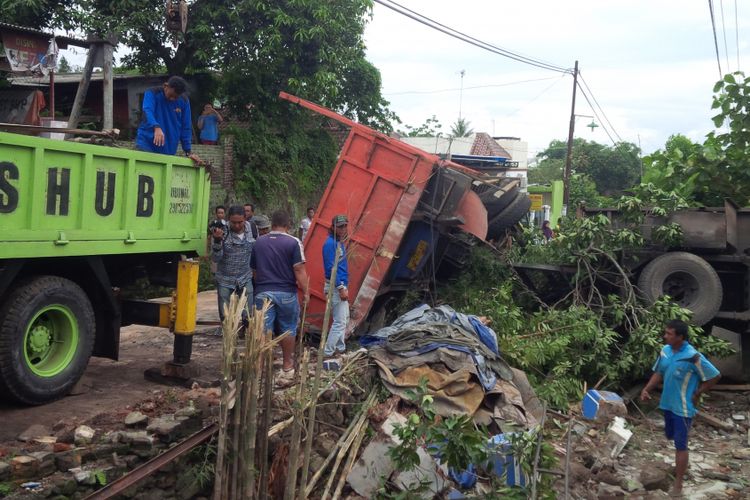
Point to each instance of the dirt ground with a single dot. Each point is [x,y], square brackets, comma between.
[108,385]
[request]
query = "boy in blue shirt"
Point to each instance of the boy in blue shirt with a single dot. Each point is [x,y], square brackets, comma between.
[208,123]
[686,374]
[166,119]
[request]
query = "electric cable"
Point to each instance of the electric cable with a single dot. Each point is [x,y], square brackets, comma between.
[469,39]
[724,32]
[405,92]
[716,42]
[737,34]
[593,109]
[600,107]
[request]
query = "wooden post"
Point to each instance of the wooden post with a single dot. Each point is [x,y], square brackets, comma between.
[83,87]
[107,86]
[52,95]
[569,153]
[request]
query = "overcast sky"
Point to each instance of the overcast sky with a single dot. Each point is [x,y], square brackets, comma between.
[651,65]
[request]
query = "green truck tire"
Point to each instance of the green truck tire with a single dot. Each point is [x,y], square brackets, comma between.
[47,330]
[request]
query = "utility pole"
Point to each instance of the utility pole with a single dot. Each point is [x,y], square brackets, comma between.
[569,155]
[461,93]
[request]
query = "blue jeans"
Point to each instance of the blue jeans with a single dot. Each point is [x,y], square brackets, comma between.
[224,293]
[283,315]
[340,317]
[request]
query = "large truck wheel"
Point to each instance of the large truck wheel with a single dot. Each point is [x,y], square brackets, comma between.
[46,338]
[688,279]
[509,216]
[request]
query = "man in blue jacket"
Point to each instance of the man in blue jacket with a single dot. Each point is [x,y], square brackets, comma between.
[166,119]
[340,302]
[686,374]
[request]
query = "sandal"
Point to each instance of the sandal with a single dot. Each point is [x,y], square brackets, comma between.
[285,377]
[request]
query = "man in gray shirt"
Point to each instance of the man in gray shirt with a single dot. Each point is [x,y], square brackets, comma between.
[231,250]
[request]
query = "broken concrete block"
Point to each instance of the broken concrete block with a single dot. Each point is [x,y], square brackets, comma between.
[373,466]
[46,462]
[84,476]
[66,460]
[83,435]
[426,472]
[654,479]
[166,427]
[606,491]
[24,467]
[136,419]
[32,432]
[139,439]
[618,436]
[603,406]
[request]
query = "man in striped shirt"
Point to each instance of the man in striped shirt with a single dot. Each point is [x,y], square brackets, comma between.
[686,374]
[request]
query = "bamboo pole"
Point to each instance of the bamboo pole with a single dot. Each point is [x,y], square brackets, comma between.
[265,424]
[319,365]
[291,475]
[350,461]
[256,340]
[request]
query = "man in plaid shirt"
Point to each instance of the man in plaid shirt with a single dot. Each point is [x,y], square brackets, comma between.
[231,250]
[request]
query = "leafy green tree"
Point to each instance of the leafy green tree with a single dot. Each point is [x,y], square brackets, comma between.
[613,169]
[309,48]
[39,14]
[63,66]
[707,173]
[462,128]
[430,128]
[546,171]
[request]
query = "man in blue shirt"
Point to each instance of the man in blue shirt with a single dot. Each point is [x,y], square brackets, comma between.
[208,123]
[340,298]
[278,262]
[686,374]
[166,119]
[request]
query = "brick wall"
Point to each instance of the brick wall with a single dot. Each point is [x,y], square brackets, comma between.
[221,158]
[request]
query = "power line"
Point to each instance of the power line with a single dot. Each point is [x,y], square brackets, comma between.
[737,34]
[593,109]
[724,32]
[467,38]
[716,42]
[540,94]
[469,88]
[600,107]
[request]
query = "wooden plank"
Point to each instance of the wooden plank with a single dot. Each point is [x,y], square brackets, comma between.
[714,422]
[14,127]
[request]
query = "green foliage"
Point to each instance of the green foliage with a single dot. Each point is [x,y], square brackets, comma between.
[39,14]
[280,165]
[6,489]
[462,128]
[100,477]
[63,66]
[455,440]
[583,192]
[430,128]
[706,174]
[613,169]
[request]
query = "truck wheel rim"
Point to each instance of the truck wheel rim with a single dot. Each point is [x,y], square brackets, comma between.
[682,287]
[51,341]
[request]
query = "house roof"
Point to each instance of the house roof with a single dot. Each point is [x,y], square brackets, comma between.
[479,144]
[62,41]
[484,145]
[33,81]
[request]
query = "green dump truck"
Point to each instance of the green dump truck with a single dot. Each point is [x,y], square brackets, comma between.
[78,223]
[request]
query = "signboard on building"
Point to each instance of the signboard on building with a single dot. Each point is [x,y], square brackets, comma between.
[536,202]
[28,53]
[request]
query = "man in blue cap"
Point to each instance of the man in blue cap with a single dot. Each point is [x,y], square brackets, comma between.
[340,302]
[686,374]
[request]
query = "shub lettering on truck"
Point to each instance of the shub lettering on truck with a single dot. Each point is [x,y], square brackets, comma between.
[58,193]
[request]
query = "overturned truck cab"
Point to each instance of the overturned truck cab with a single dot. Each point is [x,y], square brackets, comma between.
[413,217]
